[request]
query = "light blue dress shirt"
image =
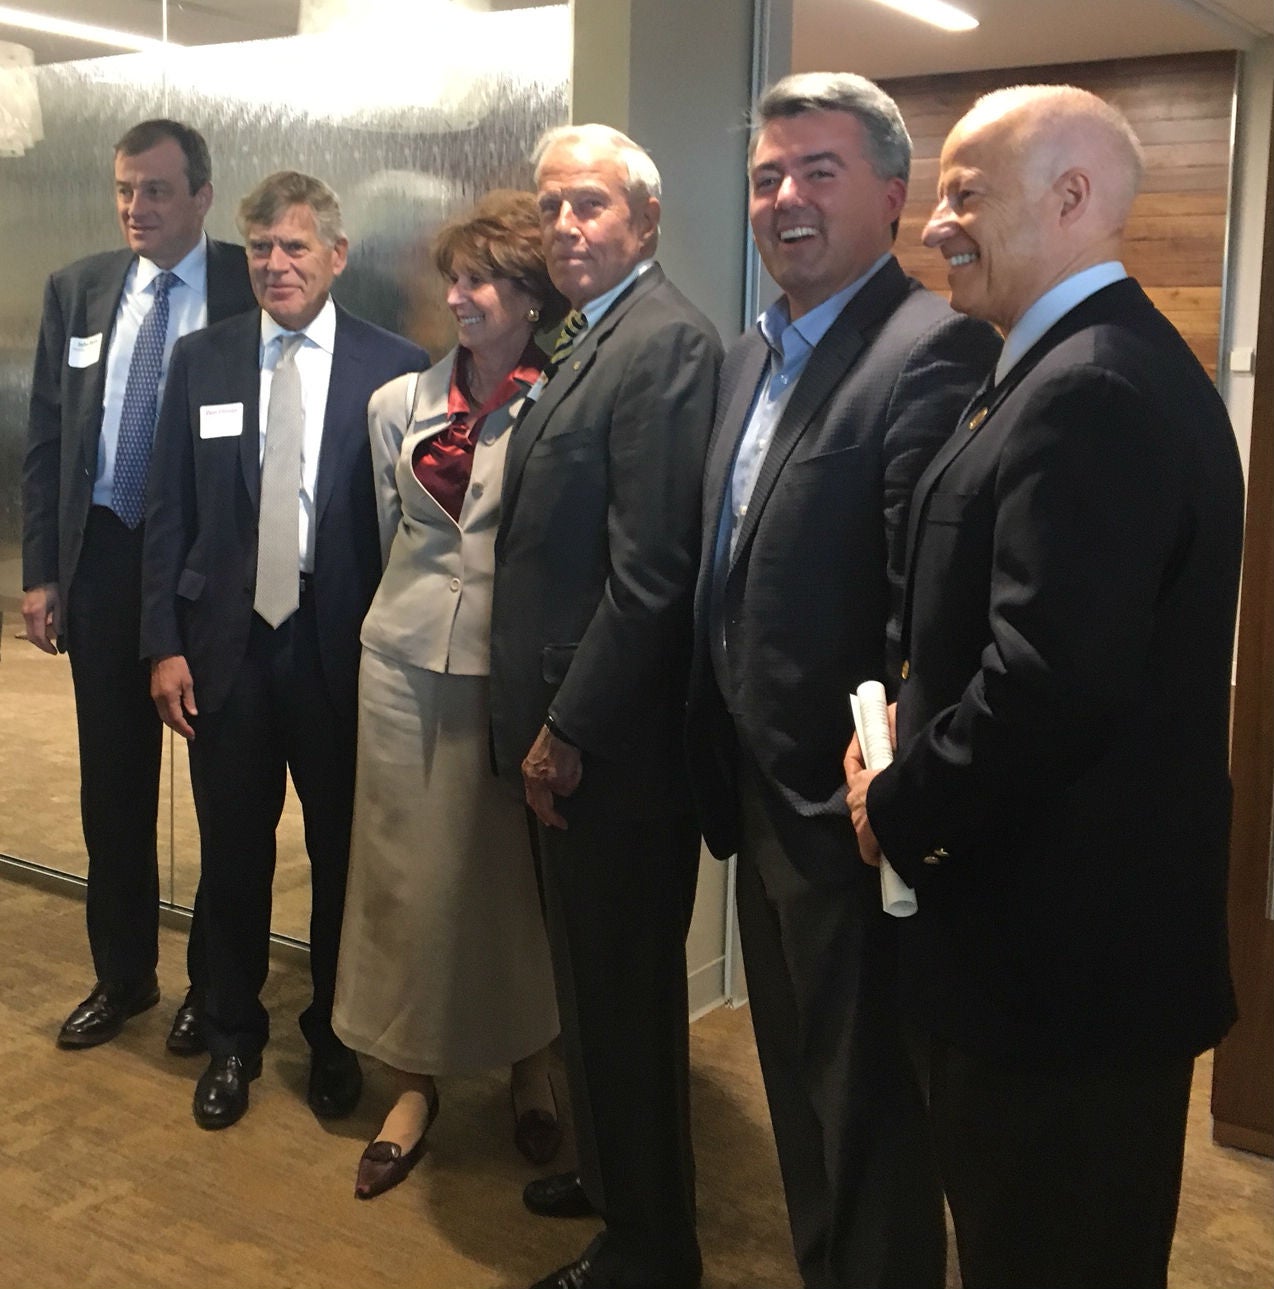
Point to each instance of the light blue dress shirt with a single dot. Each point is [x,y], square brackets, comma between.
[790,344]
[1053,305]
[187,311]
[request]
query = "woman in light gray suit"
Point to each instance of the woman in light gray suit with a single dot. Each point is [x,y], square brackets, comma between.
[444,965]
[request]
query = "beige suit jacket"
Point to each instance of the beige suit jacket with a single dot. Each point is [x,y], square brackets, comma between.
[433,606]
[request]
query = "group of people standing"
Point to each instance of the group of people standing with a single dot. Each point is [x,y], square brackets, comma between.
[526,623]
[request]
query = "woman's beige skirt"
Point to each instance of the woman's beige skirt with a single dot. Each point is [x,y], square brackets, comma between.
[444,965]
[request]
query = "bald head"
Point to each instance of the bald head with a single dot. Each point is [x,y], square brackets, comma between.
[1055,128]
[1036,183]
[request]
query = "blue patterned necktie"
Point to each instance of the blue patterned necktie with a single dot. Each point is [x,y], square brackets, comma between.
[137,416]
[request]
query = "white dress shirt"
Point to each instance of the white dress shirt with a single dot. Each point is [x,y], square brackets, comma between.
[187,311]
[314,366]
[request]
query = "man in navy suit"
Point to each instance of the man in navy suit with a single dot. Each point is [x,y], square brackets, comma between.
[255,586]
[82,540]
[1060,797]
[829,410]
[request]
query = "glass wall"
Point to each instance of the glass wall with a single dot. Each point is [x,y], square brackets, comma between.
[408,108]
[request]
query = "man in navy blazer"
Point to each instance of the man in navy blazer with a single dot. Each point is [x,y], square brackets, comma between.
[1060,797]
[258,700]
[829,410]
[81,561]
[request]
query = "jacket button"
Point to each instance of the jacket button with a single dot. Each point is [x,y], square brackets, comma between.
[906,668]
[455,583]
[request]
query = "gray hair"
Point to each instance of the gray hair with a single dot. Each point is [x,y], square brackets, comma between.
[641,174]
[278,192]
[888,145]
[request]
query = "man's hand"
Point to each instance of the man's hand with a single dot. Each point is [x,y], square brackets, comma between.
[173,689]
[40,608]
[551,768]
[859,779]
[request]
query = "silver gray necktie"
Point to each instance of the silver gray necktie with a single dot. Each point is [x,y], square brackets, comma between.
[278,591]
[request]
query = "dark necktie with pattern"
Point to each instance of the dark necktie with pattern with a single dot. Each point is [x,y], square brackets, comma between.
[137,415]
[573,325]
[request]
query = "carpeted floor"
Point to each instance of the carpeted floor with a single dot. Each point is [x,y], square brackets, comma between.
[108,1183]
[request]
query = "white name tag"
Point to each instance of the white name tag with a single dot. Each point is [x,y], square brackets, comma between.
[84,351]
[220,420]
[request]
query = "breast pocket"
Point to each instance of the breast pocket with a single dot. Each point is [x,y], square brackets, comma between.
[949,507]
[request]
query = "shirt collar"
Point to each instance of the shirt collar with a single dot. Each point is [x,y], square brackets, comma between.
[524,374]
[191,269]
[320,332]
[596,309]
[1054,304]
[811,327]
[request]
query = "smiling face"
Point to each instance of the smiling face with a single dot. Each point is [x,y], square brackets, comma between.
[291,268]
[594,235]
[995,225]
[161,218]
[491,313]
[820,214]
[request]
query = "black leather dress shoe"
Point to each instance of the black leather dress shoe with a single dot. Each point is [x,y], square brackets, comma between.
[336,1083]
[221,1095]
[598,1268]
[102,1014]
[561,1195]
[186,1038]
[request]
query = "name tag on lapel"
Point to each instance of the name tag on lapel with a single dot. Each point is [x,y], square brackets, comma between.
[84,351]
[220,420]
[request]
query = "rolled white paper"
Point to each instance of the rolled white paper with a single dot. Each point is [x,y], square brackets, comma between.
[871,720]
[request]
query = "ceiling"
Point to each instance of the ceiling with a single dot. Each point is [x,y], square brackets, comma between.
[875,41]
[856,35]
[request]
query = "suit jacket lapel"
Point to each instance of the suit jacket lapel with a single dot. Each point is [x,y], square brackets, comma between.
[535,416]
[101,308]
[733,417]
[1117,297]
[341,410]
[241,360]
[833,356]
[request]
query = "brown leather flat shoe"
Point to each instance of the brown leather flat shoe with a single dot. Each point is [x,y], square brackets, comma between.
[384,1164]
[536,1133]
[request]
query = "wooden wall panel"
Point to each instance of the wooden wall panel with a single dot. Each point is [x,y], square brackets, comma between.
[1180,107]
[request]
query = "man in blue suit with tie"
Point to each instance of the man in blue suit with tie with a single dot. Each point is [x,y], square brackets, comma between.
[262,555]
[109,324]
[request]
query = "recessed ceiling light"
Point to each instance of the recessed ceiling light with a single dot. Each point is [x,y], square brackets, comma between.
[76,30]
[937,12]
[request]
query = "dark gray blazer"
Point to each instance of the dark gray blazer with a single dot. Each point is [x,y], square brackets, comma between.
[813,595]
[200,558]
[66,402]
[597,548]
[1070,602]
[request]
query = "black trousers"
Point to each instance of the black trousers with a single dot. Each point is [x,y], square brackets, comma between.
[863,1196]
[277,718]
[120,742]
[1064,1177]
[618,898]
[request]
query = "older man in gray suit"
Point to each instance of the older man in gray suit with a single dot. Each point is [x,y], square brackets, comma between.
[590,641]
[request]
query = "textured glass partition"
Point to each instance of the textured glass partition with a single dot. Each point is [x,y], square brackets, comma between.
[409,110]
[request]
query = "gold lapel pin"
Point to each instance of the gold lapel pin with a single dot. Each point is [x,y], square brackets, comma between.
[977,418]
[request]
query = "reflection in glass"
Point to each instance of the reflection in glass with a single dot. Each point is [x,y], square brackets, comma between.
[409,110]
